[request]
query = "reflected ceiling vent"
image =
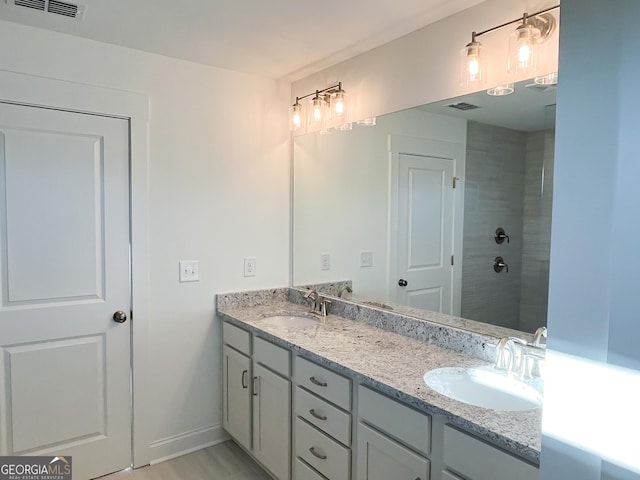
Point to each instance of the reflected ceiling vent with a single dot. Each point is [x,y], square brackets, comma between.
[536,87]
[463,106]
[55,7]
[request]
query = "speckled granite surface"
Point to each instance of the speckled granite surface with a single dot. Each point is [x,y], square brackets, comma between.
[393,364]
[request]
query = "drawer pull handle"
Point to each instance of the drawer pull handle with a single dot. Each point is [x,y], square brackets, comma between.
[255,386]
[244,378]
[315,381]
[317,415]
[316,454]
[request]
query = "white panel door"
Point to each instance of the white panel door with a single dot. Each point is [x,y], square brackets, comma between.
[64,272]
[423,219]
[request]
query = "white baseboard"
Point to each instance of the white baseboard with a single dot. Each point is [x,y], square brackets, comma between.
[187,442]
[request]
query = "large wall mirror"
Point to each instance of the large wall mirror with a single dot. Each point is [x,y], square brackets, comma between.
[444,207]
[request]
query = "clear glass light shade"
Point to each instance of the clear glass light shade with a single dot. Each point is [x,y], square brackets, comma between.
[296,117]
[339,104]
[501,90]
[367,122]
[473,65]
[549,79]
[345,127]
[317,111]
[524,50]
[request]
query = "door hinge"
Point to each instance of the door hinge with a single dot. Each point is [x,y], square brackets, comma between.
[455,179]
[451,260]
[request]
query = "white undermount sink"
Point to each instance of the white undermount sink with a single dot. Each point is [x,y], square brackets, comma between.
[291,320]
[484,387]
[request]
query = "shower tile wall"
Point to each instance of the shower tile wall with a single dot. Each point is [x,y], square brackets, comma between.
[494,197]
[538,197]
[509,184]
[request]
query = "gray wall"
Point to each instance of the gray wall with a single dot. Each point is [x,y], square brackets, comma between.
[595,259]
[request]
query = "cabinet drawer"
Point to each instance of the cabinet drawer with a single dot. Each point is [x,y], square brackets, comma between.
[302,471]
[323,382]
[321,452]
[272,356]
[237,338]
[473,458]
[398,420]
[323,415]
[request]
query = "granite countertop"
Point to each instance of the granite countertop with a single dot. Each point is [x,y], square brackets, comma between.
[395,365]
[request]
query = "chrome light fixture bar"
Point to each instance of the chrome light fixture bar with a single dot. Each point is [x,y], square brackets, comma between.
[524,46]
[326,104]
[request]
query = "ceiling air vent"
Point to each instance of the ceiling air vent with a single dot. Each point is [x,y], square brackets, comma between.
[55,7]
[463,106]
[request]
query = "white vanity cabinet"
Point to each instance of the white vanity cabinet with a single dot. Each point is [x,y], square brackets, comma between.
[393,439]
[476,460]
[257,398]
[322,423]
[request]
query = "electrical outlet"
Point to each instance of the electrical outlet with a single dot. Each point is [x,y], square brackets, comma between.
[325,261]
[366,259]
[189,270]
[249,266]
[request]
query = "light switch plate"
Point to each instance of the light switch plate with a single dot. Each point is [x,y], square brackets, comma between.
[249,266]
[189,270]
[325,261]
[366,258]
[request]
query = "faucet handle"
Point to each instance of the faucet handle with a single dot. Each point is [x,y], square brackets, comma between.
[324,304]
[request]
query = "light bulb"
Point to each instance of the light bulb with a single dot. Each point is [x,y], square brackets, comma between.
[524,54]
[474,67]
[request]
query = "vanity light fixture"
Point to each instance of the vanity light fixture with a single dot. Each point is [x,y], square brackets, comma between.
[501,90]
[549,79]
[326,104]
[524,47]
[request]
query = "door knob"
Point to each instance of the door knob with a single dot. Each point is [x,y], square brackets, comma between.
[402,282]
[119,317]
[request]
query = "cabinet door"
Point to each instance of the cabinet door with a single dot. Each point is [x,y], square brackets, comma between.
[380,458]
[236,380]
[272,421]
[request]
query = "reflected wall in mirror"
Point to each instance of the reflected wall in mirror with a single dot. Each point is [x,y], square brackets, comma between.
[377,206]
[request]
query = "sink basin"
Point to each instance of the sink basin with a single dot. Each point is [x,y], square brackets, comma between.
[285,320]
[483,387]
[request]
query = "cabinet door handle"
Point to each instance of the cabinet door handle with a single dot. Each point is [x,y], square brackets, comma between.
[244,378]
[316,454]
[315,381]
[255,386]
[317,415]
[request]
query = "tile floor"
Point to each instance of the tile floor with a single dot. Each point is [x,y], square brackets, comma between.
[225,461]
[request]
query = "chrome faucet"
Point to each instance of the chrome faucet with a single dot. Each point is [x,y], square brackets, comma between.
[315,297]
[515,356]
[320,303]
[346,288]
[541,333]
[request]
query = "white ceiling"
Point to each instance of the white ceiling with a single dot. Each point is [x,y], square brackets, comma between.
[525,109]
[273,38]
